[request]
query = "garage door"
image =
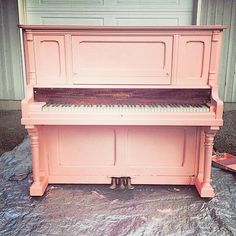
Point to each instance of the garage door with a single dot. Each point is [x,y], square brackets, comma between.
[109,12]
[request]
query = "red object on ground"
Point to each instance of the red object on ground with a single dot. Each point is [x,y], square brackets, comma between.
[225,161]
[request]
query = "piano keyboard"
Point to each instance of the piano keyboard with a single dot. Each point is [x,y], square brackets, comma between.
[91,108]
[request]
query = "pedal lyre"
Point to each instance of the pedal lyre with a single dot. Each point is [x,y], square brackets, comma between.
[121,182]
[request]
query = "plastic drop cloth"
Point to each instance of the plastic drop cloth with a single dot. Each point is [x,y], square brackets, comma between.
[97,210]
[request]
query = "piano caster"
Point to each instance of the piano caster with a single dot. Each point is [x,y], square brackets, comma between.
[122,182]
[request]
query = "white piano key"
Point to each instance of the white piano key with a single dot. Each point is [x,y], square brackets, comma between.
[126,108]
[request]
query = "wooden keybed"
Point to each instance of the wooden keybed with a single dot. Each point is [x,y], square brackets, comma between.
[142,69]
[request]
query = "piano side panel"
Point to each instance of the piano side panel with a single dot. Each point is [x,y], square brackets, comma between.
[83,154]
[193,60]
[50,59]
[122,60]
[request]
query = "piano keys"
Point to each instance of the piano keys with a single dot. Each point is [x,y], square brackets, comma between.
[122,105]
[123,108]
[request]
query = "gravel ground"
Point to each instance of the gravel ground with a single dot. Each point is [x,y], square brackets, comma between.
[11,131]
[225,140]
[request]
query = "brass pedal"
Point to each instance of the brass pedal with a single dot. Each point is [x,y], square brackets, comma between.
[129,186]
[113,183]
[122,182]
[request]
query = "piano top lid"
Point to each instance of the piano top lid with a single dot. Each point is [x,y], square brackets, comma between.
[123,28]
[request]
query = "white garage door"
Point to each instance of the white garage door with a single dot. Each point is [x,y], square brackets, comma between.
[109,12]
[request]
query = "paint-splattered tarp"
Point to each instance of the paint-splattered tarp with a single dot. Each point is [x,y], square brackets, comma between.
[96,210]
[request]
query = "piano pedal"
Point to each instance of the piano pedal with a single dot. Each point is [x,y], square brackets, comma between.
[113,183]
[122,182]
[131,187]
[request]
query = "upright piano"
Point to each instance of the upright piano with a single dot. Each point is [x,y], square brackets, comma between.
[122,105]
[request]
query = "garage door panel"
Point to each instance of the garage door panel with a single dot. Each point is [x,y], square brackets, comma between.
[114,5]
[159,4]
[65,4]
[145,21]
[96,21]
[110,12]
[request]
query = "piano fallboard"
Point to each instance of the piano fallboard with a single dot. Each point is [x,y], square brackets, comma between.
[122,96]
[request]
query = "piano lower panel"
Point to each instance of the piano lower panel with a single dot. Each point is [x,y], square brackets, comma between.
[94,154]
[153,180]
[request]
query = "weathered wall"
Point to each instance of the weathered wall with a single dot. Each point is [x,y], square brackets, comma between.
[11,78]
[224,12]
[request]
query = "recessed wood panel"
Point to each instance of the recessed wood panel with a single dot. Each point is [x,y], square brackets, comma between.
[121,60]
[197,51]
[50,49]
[118,55]
[50,59]
[161,150]
[85,146]
[193,60]
[154,144]
[80,150]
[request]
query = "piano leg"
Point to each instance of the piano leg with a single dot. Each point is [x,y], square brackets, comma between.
[204,184]
[40,182]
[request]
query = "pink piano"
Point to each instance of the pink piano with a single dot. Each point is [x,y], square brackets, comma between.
[122,105]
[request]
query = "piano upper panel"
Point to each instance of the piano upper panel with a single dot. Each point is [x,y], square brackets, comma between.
[121,59]
[50,59]
[140,56]
[193,60]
